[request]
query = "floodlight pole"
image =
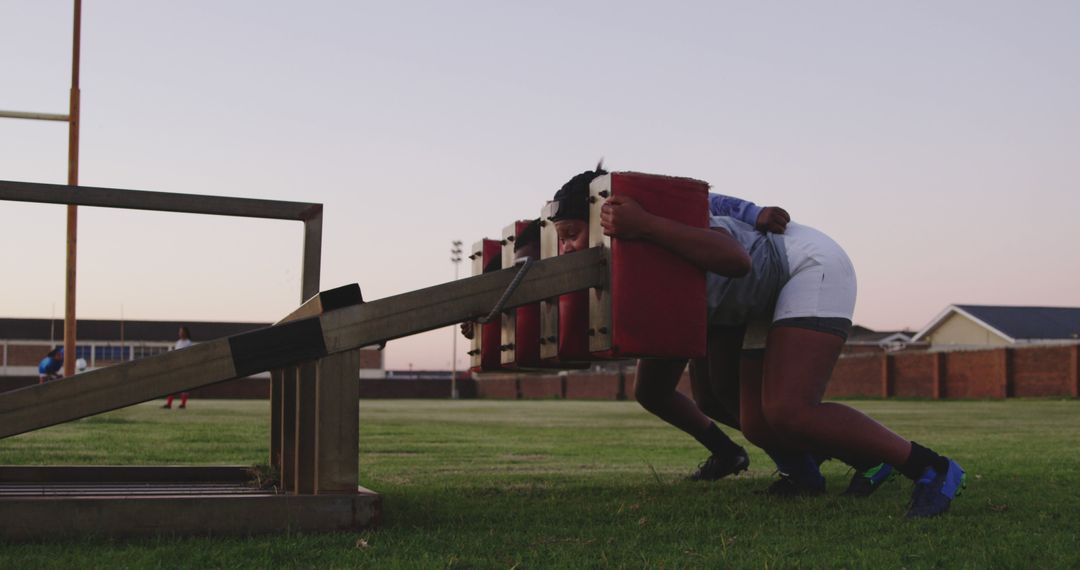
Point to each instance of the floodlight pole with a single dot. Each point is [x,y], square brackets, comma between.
[455,258]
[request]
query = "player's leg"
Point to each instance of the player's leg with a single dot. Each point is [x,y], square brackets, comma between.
[655,390]
[797,367]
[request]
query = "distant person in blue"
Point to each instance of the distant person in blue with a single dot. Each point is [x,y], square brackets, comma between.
[49,367]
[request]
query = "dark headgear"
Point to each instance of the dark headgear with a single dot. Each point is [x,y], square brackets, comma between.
[573,197]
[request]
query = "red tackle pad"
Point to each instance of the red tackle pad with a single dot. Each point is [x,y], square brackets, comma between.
[655,305]
[485,354]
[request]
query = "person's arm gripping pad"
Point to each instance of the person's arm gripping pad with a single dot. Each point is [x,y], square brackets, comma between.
[658,305]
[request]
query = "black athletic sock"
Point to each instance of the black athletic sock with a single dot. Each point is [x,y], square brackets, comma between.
[717,442]
[921,458]
[860,464]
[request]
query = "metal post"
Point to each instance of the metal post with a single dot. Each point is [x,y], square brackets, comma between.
[455,258]
[72,211]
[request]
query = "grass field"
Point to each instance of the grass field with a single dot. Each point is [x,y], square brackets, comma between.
[542,484]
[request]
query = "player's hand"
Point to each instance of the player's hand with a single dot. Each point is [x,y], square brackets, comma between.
[467,329]
[624,218]
[772,219]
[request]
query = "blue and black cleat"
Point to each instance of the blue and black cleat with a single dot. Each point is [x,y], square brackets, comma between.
[934,491]
[865,483]
[788,487]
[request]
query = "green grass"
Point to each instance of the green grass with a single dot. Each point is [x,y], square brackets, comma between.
[541,484]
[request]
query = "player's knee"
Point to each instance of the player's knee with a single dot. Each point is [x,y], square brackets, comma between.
[785,417]
[756,431]
[647,396]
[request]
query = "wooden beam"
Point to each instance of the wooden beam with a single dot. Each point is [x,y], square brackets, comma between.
[338,430]
[290,343]
[306,394]
[157,201]
[312,261]
[113,514]
[323,301]
[287,474]
[276,386]
[458,301]
[124,474]
[105,389]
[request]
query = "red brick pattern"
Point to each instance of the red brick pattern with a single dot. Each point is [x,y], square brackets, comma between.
[593,387]
[975,374]
[857,376]
[426,389]
[502,387]
[26,354]
[240,388]
[1043,371]
[371,359]
[1046,371]
[631,380]
[912,375]
[541,387]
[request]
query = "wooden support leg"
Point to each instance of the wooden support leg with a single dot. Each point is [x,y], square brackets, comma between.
[275,418]
[338,426]
[288,429]
[306,391]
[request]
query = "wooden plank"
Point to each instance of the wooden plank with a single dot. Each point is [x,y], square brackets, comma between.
[312,264]
[329,300]
[157,201]
[458,301]
[549,307]
[115,387]
[123,473]
[243,514]
[600,297]
[476,342]
[338,441]
[508,329]
[105,389]
[306,393]
[287,474]
[275,418]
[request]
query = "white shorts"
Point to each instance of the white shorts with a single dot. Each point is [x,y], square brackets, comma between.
[822,282]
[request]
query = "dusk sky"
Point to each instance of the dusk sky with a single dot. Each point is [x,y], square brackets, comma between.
[938,142]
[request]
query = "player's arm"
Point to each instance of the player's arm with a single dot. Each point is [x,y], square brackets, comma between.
[714,251]
[768,219]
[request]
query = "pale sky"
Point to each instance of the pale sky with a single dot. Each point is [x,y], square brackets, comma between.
[938,142]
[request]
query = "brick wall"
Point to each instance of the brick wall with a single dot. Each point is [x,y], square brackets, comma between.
[858,376]
[240,389]
[630,381]
[25,354]
[497,386]
[975,374]
[535,387]
[594,386]
[371,359]
[915,375]
[371,389]
[1044,371]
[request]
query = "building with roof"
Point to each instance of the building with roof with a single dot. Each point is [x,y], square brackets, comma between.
[862,340]
[986,326]
[24,342]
